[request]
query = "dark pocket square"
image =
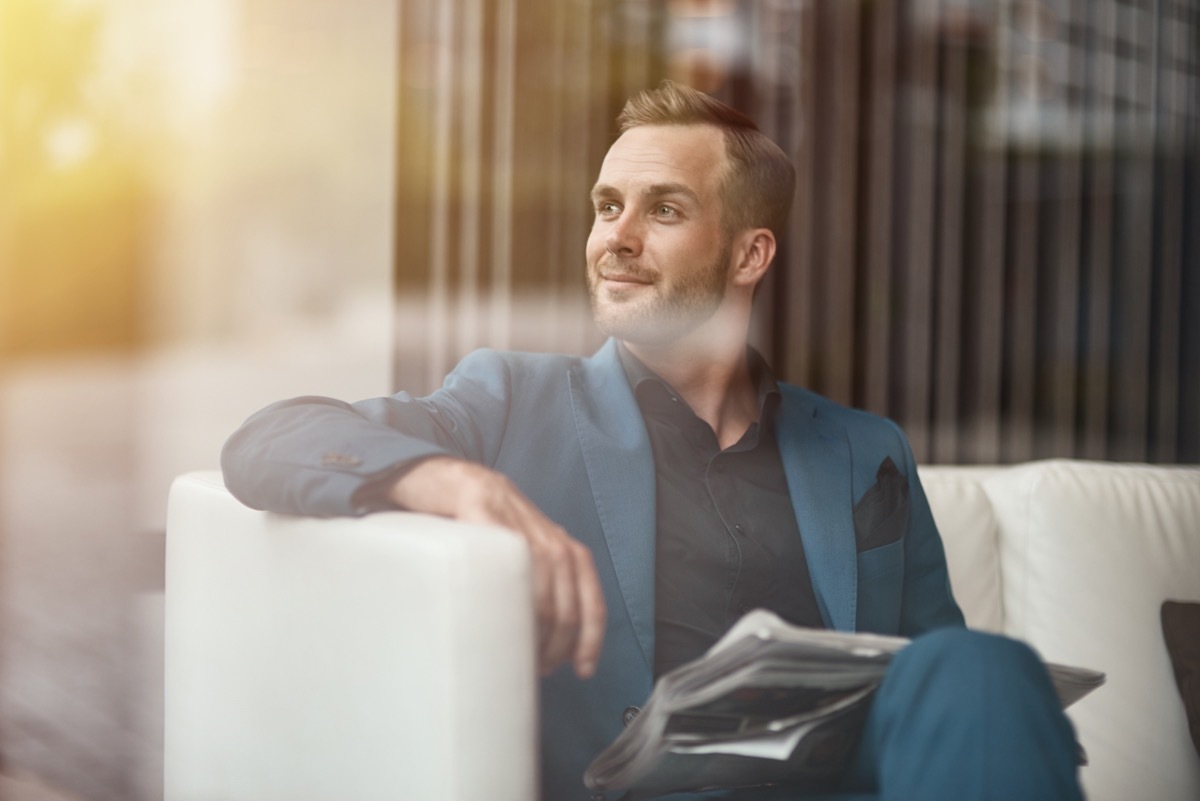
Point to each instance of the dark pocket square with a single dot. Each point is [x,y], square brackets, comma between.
[881,515]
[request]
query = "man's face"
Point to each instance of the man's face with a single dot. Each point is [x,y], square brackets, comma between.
[657,256]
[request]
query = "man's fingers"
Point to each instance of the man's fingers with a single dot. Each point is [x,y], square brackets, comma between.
[568,600]
[562,622]
[592,614]
[543,600]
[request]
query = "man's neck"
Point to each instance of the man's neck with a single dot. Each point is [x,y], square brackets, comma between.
[714,381]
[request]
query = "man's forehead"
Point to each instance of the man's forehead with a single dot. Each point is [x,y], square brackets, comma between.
[683,155]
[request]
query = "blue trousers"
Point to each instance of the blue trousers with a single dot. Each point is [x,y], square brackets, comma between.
[961,716]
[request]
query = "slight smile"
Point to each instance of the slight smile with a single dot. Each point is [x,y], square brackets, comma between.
[624,278]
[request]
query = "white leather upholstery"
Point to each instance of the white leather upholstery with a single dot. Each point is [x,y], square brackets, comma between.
[962,509]
[388,657]
[1087,552]
[391,657]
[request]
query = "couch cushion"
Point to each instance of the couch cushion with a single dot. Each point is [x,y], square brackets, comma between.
[964,517]
[1088,553]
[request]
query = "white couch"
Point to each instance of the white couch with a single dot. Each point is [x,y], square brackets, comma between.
[391,657]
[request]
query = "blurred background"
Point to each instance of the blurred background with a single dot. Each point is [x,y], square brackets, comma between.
[196,211]
[207,206]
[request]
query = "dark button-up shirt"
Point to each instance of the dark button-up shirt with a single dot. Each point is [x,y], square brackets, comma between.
[727,538]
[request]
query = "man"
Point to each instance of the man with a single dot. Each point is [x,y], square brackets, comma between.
[668,484]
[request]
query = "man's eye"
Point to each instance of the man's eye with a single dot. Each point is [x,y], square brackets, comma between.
[665,211]
[607,208]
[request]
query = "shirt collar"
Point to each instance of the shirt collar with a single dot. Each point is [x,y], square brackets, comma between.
[648,385]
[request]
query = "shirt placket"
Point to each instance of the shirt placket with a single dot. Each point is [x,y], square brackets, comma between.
[731,509]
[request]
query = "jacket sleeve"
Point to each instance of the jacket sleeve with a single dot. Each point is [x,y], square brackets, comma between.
[311,455]
[927,602]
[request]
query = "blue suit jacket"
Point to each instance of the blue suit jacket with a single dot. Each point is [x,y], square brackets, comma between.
[569,433]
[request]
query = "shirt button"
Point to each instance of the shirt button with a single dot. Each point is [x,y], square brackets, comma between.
[738,528]
[340,460]
[630,713]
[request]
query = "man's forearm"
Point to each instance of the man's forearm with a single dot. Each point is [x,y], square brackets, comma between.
[313,455]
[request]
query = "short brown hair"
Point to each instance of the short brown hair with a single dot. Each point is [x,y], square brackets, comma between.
[757,192]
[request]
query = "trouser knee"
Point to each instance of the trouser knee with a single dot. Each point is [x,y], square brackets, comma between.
[968,715]
[967,652]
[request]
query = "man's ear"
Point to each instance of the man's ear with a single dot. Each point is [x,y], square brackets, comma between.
[755,249]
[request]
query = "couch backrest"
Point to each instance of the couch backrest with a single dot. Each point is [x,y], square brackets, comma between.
[970,534]
[1087,552]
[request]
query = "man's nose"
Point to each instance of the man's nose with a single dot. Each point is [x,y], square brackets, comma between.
[625,236]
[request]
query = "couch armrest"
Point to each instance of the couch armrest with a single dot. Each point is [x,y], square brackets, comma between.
[384,657]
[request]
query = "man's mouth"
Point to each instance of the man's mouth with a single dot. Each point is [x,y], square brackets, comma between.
[618,273]
[624,278]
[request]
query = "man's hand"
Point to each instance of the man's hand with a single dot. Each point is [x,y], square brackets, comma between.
[567,596]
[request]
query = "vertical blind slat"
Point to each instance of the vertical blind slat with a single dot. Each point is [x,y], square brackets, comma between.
[877,284]
[1021,321]
[797,298]
[504,77]
[470,166]
[440,229]
[1100,226]
[990,207]
[947,328]
[1129,384]
[1065,206]
[919,139]
[838,330]
[1170,233]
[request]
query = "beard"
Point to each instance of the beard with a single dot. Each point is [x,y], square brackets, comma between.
[661,312]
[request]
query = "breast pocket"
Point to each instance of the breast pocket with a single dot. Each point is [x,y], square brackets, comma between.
[881,514]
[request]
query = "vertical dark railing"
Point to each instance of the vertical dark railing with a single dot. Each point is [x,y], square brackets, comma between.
[947,323]
[877,220]
[995,236]
[1097,260]
[793,315]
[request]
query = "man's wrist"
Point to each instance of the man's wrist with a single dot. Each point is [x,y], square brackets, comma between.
[374,495]
[377,493]
[429,484]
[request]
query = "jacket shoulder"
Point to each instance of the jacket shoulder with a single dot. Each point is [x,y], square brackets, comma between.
[488,366]
[859,424]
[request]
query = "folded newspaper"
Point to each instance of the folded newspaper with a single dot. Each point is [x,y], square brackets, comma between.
[768,703]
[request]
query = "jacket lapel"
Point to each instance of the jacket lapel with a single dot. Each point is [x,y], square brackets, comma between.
[620,466]
[816,461]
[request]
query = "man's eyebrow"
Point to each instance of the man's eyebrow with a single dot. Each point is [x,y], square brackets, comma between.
[603,190]
[653,191]
[662,190]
